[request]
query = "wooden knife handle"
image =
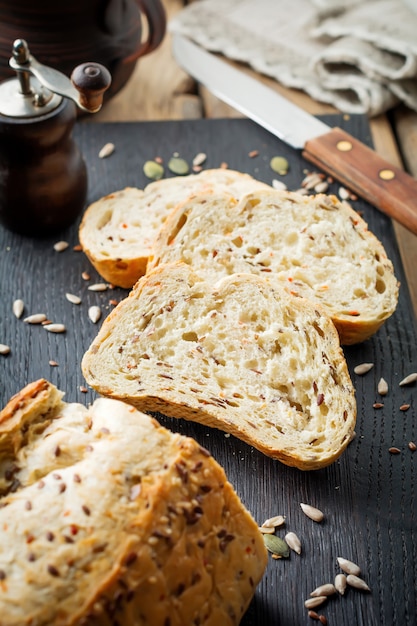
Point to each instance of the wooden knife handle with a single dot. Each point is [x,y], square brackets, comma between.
[363,171]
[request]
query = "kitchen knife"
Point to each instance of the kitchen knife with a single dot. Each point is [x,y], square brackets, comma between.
[337,153]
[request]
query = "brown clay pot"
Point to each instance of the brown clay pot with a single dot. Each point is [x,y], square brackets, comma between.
[65,34]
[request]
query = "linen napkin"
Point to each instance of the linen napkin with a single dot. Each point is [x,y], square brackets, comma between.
[358,55]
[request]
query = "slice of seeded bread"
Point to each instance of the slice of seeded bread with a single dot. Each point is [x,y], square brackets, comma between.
[317,247]
[242,356]
[107,518]
[117,231]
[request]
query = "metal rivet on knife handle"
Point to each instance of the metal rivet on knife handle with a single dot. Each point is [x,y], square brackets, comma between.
[344,146]
[386,174]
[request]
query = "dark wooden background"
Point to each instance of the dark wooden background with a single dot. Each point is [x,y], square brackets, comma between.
[368,496]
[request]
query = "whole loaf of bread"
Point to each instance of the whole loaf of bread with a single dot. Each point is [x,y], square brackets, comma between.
[109,519]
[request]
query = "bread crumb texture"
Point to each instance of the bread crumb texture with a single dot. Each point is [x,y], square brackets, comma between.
[107,519]
[243,356]
[117,231]
[316,247]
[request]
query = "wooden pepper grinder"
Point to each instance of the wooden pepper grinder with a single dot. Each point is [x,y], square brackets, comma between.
[43,176]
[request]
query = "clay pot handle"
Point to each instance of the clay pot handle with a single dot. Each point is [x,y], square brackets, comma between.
[156,18]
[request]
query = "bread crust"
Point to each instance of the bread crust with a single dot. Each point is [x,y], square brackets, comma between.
[242,356]
[315,246]
[108,518]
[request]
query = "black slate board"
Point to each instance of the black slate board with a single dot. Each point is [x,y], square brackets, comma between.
[368,496]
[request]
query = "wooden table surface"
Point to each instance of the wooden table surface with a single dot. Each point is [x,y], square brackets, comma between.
[160,90]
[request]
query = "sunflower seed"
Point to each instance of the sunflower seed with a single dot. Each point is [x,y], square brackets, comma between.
[358,583]
[55,328]
[85,276]
[97,287]
[37,318]
[276,545]
[293,541]
[348,566]
[94,313]
[312,603]
[278,184]
[321,187]
[344,193]
[18,307]
[340,583]
[311,180]
[106,150]
[382,387]
[73,298]
[363,368]
[278,520]
[315,514]
[4,349]
[267,530]
[408,380]
[412,446]
[60,246]
[324,590]
[199,158]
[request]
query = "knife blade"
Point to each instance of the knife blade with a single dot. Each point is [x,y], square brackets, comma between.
[336,152]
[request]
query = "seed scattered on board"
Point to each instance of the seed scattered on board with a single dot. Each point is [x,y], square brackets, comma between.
[4,349]
[60,246]
[363,368]
[98,287]
[94,313]
[18,308]
[382,387]
[106,150]
[315,514]
[36,318]
[55,328]
[349,567]
[73,298]
[409,380]
[293,541]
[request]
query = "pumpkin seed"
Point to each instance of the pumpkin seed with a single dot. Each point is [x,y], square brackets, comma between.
[276,545]
[348,566]
[279,165]
[178,166]
[153,170]
[408,380]
[18,308]
[106,150]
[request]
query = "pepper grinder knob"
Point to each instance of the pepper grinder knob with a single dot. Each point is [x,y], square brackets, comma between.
[91,81]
